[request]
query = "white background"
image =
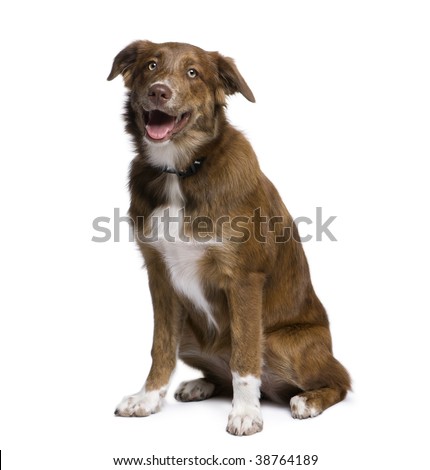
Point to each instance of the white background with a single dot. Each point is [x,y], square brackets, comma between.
[341,122]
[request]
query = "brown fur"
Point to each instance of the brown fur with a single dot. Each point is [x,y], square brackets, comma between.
[270,321]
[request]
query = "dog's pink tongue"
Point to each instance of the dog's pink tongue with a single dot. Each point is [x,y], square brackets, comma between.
[159,125]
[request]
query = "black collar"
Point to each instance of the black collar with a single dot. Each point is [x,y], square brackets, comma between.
[191,170]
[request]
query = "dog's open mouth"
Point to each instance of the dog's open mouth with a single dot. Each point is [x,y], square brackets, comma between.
[161,126]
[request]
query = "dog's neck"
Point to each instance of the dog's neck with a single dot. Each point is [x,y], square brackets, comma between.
[165,155]
[190,171]
[169,158]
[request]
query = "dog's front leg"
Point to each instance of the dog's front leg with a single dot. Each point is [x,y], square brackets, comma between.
[245,304]
[164,347]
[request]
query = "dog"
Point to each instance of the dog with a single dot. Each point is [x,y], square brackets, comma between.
[228,277]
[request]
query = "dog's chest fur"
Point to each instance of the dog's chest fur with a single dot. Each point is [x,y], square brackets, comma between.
[181,253]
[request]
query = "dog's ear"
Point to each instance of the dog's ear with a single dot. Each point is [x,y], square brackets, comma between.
[231,79]
[125,61]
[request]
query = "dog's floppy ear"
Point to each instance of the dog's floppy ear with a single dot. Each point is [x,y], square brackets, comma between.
[125,61]
[231,79]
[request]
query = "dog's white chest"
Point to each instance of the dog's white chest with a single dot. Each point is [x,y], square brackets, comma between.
[181,254]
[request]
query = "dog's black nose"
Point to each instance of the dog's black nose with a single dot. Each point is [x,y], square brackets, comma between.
[159,94]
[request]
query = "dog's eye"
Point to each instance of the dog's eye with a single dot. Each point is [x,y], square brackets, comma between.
[152,65]
[192,73]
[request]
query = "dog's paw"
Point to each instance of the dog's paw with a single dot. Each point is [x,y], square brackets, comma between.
[194,390]
[301,409]
[141,404]
[245,422]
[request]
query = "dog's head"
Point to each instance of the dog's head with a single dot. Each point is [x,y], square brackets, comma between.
[176,90]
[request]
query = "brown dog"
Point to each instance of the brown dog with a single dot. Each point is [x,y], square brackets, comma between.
[229,280]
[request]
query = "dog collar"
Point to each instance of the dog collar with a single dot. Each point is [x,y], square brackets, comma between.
[191,170]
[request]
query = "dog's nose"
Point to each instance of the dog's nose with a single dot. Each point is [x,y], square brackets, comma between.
[159,94]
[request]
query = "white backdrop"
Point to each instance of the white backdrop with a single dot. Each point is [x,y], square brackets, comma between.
[341,122]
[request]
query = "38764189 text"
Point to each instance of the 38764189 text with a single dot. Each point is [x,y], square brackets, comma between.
[276,459]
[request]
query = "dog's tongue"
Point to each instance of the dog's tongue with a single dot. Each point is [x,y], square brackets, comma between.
[159,124]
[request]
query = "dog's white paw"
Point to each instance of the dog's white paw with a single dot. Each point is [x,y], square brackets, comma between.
[142,403]
[245,422]
[301,410]
[245,417]
[194,390]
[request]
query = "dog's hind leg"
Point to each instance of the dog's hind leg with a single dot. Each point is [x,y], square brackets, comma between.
[216,378]
[313,402]
[301,355]
[195,390]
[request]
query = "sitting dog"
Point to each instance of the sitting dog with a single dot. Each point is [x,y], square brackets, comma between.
[229,280]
